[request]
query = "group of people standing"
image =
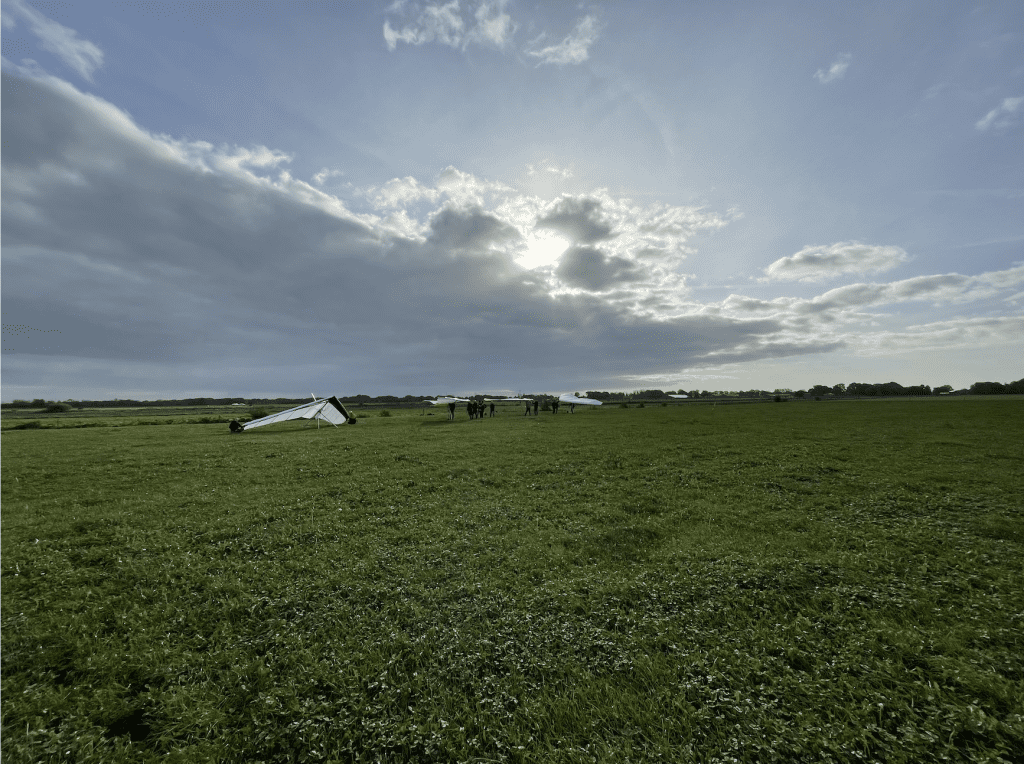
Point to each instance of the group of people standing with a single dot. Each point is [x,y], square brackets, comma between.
[480,410]
[474,409]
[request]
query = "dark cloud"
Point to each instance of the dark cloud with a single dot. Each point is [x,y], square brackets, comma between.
[590,268]
[578,219]
[469,229]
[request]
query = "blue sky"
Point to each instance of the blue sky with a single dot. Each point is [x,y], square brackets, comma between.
[264,199]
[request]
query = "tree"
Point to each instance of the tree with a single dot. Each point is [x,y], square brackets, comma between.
[942,389]
[820,390]
[987,388]
[839,389]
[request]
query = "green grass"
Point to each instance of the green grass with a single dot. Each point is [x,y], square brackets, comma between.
[833,581]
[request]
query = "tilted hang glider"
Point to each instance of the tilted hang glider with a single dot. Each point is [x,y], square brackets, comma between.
[508,400]
[446,399]
[327,409]
[570,398]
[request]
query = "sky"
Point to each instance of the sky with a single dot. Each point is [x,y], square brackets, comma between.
[266,199]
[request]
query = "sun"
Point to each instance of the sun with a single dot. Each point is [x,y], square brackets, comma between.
[542,249]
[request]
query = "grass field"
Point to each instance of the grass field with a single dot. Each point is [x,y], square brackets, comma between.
[833,581]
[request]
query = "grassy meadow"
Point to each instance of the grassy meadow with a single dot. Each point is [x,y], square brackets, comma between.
[804,581]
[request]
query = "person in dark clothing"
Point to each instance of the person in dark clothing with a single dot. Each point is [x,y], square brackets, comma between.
[451,410]
[470,406]
[572,408]
[492,408]
[527,409]
[554,406]
[535,404]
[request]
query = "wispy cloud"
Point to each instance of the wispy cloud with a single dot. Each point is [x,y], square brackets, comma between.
[573,49]
[489,25]
[1003,116]
[836,71]
[80,55]
[819,263]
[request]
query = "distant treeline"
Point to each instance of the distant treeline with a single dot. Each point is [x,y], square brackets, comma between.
[854,389]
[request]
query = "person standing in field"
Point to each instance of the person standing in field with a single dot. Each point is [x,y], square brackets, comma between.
[469,409]
[492,408]
[527,409]
[554,406]
[535,404]
[451,410]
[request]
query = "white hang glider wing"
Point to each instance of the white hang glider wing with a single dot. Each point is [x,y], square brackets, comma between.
[446,399]
[327,409]
[508,400]
[670,395]
[570,398]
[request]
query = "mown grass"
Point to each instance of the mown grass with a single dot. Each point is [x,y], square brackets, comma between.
[830,582]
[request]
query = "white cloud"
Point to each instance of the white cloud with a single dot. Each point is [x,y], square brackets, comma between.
[80,55]
[548,168]
[573,49]
[493,26]
[1002,116]
[836,71]
[325,173]
[817,263]
[488,25]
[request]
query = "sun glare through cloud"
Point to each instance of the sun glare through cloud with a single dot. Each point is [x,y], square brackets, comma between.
[542,249]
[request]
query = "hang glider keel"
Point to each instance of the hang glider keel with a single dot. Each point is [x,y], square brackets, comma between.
[326,409]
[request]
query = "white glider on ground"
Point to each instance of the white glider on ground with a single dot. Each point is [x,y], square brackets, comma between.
[327,409]
[570,398]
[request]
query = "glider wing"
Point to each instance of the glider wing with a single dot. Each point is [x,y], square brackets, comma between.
[448,399]
[570,398]
[327,409]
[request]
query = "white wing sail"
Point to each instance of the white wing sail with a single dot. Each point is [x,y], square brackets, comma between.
[570,398]
[448,399]
[327,409]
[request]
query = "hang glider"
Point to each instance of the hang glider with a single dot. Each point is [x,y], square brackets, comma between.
[327,409]
[570,398]
[508,400]
[671,395]
[446,399]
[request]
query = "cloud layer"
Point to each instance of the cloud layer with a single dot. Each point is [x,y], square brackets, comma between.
[211,268]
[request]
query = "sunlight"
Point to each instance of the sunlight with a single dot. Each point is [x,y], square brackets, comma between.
[542,249]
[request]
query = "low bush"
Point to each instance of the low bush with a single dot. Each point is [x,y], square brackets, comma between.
[384,412]
[258,413]
[58,408]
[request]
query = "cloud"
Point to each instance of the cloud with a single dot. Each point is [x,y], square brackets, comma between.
[178,268]
[489,25]
[817,263]
[1001,117]
[549,168]
[963,332]
[836,71]
[80,55]
[578,219]
[321,177]
[573,49]
[591,269]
